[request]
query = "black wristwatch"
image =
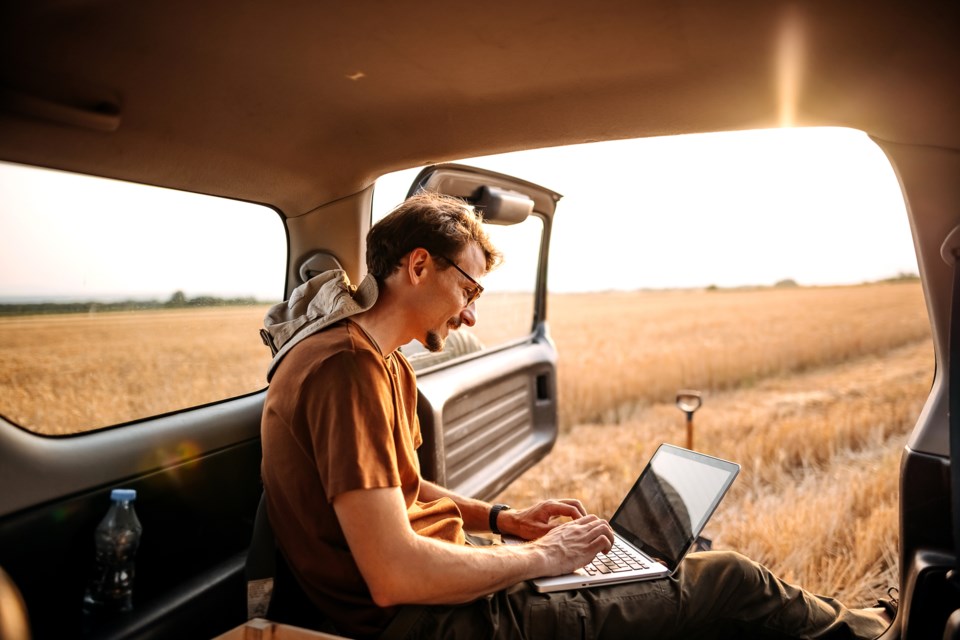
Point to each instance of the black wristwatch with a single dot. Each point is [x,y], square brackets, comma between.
[494,512]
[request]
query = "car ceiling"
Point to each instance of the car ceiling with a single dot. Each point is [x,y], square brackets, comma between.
[297,103]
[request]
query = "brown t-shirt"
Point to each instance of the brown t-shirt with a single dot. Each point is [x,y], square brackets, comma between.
[339,416]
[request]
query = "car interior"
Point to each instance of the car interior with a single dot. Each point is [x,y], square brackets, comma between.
[279,118]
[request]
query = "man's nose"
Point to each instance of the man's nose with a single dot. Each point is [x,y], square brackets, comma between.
[469,314]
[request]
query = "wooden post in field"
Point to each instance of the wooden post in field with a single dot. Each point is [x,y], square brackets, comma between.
[689,401]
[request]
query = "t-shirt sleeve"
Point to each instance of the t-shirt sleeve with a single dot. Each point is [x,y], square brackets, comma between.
[350,410]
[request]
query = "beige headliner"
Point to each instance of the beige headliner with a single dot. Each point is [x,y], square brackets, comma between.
[298,103]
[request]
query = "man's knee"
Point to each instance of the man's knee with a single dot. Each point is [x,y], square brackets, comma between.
[727,568]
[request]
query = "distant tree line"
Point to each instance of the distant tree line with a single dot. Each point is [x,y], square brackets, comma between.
[790,283]
[903,276]
[177,301]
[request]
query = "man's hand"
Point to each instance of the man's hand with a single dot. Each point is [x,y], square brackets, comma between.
[534,522]
[571,545]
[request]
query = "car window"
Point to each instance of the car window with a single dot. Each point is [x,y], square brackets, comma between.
[120,301]
[505,310]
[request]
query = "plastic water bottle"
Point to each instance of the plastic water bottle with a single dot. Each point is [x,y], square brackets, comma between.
[117,538]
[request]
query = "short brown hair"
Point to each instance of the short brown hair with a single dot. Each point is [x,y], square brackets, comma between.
[441,224]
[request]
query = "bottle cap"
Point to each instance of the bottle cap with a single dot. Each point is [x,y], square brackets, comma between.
[123,494]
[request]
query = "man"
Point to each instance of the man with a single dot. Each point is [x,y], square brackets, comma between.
[379,550]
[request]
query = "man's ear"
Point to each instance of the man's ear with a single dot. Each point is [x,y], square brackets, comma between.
[417,262]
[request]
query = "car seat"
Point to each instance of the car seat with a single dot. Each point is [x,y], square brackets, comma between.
[272,590]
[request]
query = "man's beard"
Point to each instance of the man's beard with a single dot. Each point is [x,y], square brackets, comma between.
[434,343]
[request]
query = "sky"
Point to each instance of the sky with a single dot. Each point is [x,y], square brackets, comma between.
[70,237]
[817,206]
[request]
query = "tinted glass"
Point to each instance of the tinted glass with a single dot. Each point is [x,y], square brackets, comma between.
[119,301]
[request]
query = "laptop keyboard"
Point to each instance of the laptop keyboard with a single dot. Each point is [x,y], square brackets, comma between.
[620,558]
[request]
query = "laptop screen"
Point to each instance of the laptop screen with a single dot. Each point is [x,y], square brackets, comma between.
[671,501]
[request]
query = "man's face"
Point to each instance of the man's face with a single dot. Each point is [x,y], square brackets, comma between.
[453,293]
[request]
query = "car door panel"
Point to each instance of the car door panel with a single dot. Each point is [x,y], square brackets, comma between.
[486,420]
[927,176]
[89,460]
[926,547]
[197,479]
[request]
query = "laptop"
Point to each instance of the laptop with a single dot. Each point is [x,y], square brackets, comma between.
[658,522]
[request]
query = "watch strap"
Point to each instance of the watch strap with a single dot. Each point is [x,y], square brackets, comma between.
[494,513]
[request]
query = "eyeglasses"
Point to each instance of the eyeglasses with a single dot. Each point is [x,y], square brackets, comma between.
[472,294]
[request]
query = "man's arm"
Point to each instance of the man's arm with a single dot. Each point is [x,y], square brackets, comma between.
[402,567]
[529,524]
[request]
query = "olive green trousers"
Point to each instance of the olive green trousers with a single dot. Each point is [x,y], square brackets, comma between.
[715,594]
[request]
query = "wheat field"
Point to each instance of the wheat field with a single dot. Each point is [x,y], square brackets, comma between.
[63,374]
[623,350]
[812,390]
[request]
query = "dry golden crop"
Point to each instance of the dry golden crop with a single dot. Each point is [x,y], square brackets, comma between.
[61,374]
[620,351]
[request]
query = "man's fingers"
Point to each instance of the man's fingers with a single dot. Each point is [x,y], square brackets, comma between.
[597,533]
[566,509]
[592,527]
[576,504]
[606,534]
[588,536]
[537,520]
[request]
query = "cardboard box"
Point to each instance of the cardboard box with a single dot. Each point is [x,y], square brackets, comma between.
[260,629]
